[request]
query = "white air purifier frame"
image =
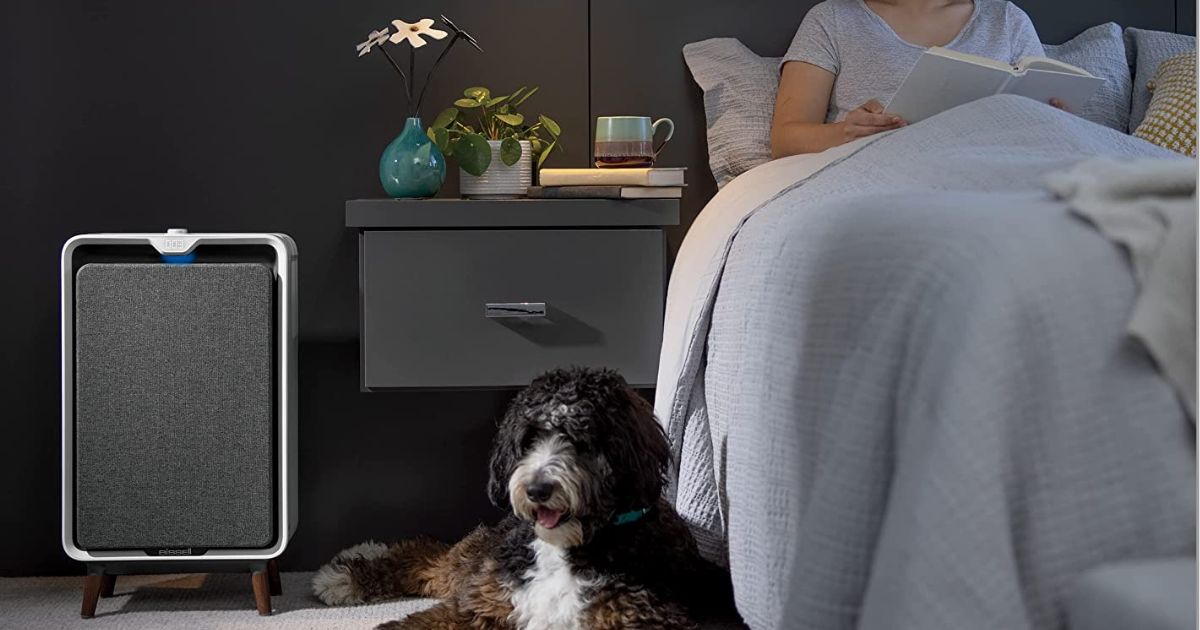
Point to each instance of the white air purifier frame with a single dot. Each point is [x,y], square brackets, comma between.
[181,242]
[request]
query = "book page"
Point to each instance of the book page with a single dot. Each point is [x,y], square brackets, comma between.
[1053,65]
[1042,85]
[975,59]
[937,83]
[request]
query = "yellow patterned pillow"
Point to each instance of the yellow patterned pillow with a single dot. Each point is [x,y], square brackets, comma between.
[1171,118]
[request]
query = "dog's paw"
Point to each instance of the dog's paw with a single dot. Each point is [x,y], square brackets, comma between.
[335,585]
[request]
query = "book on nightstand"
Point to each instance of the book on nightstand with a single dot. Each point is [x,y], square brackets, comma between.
[611,176]
[943,78]
[605,192]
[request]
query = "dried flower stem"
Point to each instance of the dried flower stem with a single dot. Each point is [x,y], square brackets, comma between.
[412,72]
[404,77]
[429,75]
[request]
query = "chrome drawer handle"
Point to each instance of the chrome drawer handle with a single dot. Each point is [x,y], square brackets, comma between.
[514,310]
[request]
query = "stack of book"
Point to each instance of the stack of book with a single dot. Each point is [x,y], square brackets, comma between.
[609,183]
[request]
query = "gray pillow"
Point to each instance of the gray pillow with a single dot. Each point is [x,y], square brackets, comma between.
[1150,48]
[1101,51]
[739,103]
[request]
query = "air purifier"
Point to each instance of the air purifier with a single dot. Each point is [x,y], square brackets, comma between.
[179,405]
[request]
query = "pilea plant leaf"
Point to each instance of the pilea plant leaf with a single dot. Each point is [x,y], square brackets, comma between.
[510,151]
[480,94]
[441,138]
[513,120]
[474,153]
[467,103]
[516,102]
[550,125]
[496,100]
[445,118]
[545,154]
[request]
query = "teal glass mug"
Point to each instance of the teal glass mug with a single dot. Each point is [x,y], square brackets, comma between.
[628,141]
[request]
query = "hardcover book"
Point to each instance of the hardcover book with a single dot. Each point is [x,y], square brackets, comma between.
[605,192]
[942,79]
[611,176]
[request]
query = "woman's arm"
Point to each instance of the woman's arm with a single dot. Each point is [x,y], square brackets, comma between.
[800,105]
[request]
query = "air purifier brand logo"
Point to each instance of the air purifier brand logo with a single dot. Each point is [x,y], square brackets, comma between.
[174,243]
[175,552]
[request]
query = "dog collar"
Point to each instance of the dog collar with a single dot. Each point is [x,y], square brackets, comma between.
[630,517]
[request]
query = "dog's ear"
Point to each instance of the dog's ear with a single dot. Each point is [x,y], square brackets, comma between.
[640,448]
[506,449]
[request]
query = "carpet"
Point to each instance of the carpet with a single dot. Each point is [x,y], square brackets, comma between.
[203,602]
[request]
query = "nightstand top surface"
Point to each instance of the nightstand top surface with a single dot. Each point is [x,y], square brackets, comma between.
[376,214]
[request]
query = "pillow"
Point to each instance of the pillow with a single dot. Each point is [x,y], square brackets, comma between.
[1150,49]
[1170,120]
[739,103]
[1101,51]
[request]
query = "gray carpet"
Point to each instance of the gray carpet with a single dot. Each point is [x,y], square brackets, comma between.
[216,601]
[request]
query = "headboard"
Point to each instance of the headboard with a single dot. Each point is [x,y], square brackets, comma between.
[637,66]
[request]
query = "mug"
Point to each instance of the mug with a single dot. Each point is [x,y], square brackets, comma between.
[629,140]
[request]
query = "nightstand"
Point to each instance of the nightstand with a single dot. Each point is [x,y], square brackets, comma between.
[487,294]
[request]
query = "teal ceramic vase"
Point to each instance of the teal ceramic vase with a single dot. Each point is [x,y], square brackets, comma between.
[412,165]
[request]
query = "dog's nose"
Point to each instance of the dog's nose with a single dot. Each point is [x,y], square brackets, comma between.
[539,491]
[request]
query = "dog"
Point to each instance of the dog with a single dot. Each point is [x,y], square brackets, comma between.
[589,543]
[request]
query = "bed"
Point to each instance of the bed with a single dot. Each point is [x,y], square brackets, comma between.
[898,387]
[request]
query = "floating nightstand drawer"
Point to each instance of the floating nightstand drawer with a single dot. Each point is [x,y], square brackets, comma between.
[494,308]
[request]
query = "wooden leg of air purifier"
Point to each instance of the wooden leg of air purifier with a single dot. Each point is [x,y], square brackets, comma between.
[92,585]
[262,591]
[273,574]
[107,584]
[264,577]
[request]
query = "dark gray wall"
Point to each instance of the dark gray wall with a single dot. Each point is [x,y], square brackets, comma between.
[1185,17]
[133,115]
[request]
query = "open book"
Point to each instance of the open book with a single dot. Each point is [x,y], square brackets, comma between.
[944,78]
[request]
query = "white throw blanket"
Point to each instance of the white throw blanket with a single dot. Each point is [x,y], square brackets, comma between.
[1149,207]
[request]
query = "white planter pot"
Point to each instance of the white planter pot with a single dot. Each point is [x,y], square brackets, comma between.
[500,181]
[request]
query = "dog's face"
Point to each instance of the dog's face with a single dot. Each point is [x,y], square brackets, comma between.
[574,449]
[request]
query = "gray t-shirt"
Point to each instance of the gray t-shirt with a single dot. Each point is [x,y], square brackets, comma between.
[870,60]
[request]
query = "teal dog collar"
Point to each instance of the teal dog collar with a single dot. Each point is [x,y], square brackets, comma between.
[630,517]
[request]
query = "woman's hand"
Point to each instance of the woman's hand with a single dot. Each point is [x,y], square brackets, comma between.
[869,119]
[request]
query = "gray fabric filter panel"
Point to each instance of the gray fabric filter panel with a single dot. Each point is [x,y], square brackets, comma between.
[174,418]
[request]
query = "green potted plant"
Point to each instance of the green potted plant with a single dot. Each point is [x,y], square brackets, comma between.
[493,142]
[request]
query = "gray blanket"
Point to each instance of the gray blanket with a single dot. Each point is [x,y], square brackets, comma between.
[914,404]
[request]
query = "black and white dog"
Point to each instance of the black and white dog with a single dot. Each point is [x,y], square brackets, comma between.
[579,461]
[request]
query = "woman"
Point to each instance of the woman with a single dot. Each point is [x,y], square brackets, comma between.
[850,56]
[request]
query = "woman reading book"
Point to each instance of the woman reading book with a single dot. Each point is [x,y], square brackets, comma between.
[850,56]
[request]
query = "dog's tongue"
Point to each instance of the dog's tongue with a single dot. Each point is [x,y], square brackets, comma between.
[548,518]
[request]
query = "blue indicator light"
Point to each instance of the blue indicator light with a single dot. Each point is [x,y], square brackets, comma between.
[179,259]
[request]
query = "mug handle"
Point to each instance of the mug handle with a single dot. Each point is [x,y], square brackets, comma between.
[670,132]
